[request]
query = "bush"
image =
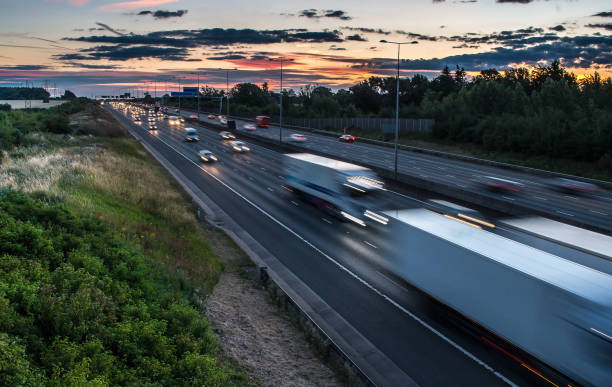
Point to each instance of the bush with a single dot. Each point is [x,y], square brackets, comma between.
[80,306]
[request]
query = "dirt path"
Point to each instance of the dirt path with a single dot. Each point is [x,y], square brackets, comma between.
[251,329]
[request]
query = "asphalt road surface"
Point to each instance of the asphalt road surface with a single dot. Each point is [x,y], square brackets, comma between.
[341,262]
[595,211]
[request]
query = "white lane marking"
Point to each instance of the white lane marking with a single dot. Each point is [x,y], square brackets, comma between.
[508,198]
[295,203]
[250,178]
[287,188]
[462,185]
[422,175]
[270,189]
[327,221]
[541,198]
[564,213]
[451,176]
[600,213]
[350,273]
[369,244]
[390,280]
[262,168]
[280,177]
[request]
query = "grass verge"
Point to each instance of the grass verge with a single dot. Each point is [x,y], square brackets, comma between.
[572,167]
[125,264]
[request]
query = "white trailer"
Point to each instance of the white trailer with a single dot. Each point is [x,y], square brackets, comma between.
[558,311]
[336,186]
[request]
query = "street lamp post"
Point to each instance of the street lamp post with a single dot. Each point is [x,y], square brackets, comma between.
[399,44]
[227,111]
[179,94]
[198,93]
[280,126]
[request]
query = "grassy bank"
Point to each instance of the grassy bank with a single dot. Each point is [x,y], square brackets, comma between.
[103,265]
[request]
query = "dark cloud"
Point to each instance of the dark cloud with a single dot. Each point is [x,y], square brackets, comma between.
[337,14]
[514,1]
[512,39]
[24,67]
[607,26]
[604,14]
[579,51]
[417,36]
[167,14]
[557,28]
[227,57]
[108,28]
[368,30]
[309,13]
[215,37]
[119,53]
[160,14]
[357,38]
[91,66]
[317,14]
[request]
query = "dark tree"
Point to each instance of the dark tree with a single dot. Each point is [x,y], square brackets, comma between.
[68,95]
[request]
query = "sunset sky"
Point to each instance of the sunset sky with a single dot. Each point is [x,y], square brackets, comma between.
[102,47]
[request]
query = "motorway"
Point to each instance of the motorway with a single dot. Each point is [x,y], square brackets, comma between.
[595,211]
[343,263]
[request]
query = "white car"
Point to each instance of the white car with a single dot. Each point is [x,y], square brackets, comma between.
[191,135]
[206,156]
[295,137]
[174,120]
[239,146]
[250,127]
[227,136]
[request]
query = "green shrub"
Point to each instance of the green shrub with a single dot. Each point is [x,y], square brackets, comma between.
[78,305]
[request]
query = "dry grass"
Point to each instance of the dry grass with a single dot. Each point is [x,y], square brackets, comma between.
[117,181]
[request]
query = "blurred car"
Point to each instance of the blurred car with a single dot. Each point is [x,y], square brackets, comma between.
[191,135]
[239,146]
[222,120]
[152,127]
[176,110]
[572,187]
[173,120]
[347,138]
[262,121]
[181,120]
[499,185]
[137,120]
[193,117]
[250,127]
[227,136]
[211,116]
[295,137]
[206,156]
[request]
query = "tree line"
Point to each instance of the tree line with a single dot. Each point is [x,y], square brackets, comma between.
[544,111]
[24,93]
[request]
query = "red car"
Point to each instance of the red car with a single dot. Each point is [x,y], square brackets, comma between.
[347,138]
[262,121]
[193,117]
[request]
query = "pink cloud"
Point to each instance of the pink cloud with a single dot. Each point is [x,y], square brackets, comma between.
[132,4]
[76,3]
